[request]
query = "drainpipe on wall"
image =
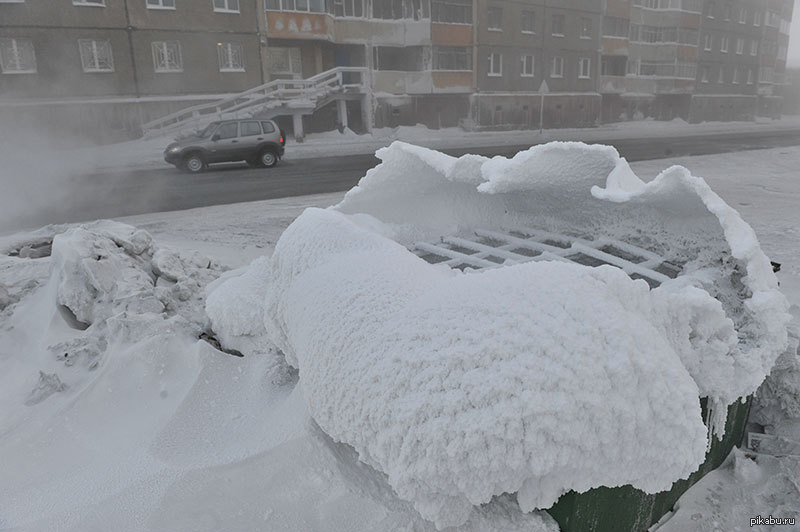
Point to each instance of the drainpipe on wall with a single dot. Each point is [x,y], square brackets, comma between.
[129,29]
[261,31]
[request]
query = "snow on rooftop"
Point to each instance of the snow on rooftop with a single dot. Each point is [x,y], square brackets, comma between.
[535,378]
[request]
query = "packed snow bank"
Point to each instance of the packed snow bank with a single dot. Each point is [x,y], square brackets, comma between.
[533,379]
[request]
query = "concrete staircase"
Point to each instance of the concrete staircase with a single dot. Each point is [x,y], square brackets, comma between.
[276,98]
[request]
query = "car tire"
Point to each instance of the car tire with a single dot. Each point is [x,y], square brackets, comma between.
[267,158]
[194,163]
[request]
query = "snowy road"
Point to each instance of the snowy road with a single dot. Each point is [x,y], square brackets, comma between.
[157,190]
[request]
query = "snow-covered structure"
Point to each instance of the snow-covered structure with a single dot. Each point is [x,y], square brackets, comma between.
[534,325]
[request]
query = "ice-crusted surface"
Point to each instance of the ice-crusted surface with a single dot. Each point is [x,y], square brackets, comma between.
[461,387]
[110,280]
[532,379]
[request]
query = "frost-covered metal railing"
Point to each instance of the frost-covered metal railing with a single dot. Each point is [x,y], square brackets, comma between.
[313,90]
[491,249]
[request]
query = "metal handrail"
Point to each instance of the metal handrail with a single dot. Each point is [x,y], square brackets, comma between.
[315,87]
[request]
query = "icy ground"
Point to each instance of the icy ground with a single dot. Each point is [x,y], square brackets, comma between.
[169,434]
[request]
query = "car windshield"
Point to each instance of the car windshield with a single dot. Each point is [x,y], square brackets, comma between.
[206,132]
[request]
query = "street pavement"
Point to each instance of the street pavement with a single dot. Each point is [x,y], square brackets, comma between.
[121,193]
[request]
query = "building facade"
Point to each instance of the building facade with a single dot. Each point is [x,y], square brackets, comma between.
[475,63]
[122,62]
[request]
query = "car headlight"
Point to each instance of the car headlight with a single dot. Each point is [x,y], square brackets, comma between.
[174,149]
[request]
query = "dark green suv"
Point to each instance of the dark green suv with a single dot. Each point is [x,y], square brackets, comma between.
[259,142]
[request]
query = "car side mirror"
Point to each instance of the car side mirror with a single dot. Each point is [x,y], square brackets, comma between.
[215,138]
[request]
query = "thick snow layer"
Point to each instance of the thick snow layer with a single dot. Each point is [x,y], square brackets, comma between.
[461,387]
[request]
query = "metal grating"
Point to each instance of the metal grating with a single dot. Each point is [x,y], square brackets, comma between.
[492,249]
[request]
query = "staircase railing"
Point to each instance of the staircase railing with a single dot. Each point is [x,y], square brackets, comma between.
[312,90]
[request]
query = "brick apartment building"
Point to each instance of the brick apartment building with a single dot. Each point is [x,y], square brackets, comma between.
[478,63]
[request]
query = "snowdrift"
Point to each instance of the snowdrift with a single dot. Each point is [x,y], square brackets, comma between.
[535,378]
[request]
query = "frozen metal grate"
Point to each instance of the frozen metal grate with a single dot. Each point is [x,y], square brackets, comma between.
[491,249]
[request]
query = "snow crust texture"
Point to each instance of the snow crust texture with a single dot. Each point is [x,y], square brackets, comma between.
[533,379]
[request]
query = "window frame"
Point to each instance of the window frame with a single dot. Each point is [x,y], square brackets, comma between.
[491,72]
[165,52]
[228,47]
[227,8]
[89,3]
[160,5]
[498,11]
[585,27]
[89,69]
[528,15]
[562,22]
[4,68]
[524,73]
[588,62]
[557,59]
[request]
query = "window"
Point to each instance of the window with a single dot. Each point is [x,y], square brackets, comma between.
[659,34]
[284,62]
[754,47]
[709,43]
[709,9]
[616,27]
[743,15]
[613,65]
[167,56]
[250,129]
[526,70]
[456,58]
[723,45]
[736,75]
[96,55]
[495,65]
[586,28]
[721,75]
[267,127]
[231,57]
[226,6]
[757,18]
[227,131]
[308,6]
[704,74]
[739,46]
[528,22]
[354,8]
[397,9]
[584,68]
[558,25]
[160,4]
[495,17]
[558,68]
[17,56]
[726,12]
[95,3]
[750,76]
[400,58]
[452,11]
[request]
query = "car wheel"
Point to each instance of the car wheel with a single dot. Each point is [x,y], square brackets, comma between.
[268,158]
[194,163]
